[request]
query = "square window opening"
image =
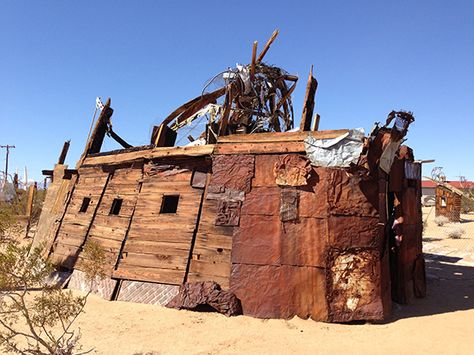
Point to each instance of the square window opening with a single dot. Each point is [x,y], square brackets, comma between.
[169,204]
[85,204]
[443,201]
[116,206]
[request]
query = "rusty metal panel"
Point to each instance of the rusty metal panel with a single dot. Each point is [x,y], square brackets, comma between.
[262,201]
[348,194]
[313,196]
[411,205]
[232,172]
[353,232]
[354,285]
[289,205]
[228,213]
[257,240]
[303,243]
[280,291]
[264,165]
[292,170]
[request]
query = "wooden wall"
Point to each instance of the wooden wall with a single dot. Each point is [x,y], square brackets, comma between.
[53,207]
[158,244]
[448,204]
[75,225]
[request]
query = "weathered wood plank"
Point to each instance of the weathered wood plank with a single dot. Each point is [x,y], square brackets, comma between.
[159,152]
[275,137]
[174,277]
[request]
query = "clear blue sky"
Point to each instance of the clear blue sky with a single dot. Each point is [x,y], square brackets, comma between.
[151,56]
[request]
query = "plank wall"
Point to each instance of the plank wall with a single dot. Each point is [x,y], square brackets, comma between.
[107,229]
[75,224]
[212,250]
[158,244]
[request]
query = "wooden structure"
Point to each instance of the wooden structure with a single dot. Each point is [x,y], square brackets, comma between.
[448,202]
[251,212]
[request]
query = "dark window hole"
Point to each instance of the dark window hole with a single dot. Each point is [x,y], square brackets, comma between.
[85,204]
[169,204]
[220,250]
[116,206]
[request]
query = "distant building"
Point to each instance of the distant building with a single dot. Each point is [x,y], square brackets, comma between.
[428,190]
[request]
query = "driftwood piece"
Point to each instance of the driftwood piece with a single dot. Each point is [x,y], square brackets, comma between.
[195,294]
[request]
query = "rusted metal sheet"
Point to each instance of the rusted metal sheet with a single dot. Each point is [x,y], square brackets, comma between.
[193,295]
[233,172]
[228,213]
[303,243]
[292,170]
[353,285]
[411,208]
[257,240]
[264,170]
[280,291]
[348,194]
[313,196]
[262,201]
[353,232]
[289,205]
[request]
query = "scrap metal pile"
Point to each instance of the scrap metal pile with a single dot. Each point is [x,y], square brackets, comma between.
[253,98]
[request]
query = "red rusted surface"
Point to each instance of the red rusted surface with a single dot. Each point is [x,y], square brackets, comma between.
[303,243]
[233,172]
[262,201]
[353,285]
[353,232]
[350,195]
[228,213]
[257,240]
[192,295]
[264,170]
[282,292]
[292,170]
[289,200]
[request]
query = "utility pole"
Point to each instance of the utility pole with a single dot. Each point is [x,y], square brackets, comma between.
[6,161]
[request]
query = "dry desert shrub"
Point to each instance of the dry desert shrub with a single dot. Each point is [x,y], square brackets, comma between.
[455,232]
[441,220]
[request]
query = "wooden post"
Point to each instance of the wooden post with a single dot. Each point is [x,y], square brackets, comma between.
[308,106]
[315,126]
[254,59]
[97,137]
[267,45]
[62,157]
[29,201]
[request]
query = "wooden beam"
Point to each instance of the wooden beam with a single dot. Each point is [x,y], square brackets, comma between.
[159,152]
[254,59]
[62,156]
[308,106]
[260,148]
[267,45]
[316,120]
[97,137]
[29,202]
[280,136]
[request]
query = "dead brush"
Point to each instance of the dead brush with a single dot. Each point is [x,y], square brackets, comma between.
[455,232]
[441,220]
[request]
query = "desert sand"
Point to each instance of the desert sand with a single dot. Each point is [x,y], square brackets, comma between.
[442,323]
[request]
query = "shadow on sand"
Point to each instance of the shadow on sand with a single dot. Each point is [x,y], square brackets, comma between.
[450,288]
